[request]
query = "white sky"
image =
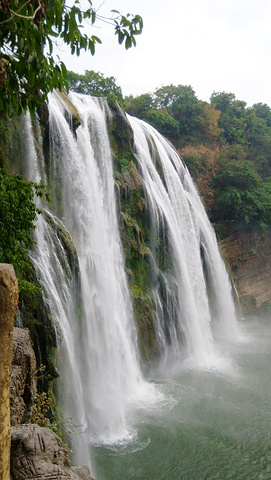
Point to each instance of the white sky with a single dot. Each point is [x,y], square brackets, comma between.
[212,45]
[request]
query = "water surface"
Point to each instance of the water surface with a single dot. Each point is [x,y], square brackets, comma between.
[212,423]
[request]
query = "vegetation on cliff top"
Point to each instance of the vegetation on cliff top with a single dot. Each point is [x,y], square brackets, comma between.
[225,145]
[93,83]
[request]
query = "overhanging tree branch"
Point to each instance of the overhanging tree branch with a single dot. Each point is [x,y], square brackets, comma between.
[16,14]
[27,27]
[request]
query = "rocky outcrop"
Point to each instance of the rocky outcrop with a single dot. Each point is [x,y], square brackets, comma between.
[248,257]
[38,453]
[71,113]
[23,376]
[8,307]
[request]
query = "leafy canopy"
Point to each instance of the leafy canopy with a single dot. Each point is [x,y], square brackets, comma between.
[139,106]
[18,213]
[241,196]
[163,122]
[177,113]
[29,30]
[93,83]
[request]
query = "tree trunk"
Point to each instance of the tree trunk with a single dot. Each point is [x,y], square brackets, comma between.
[8,306]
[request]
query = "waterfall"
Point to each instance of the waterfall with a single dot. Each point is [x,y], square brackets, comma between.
[193,294]
[101,383]
[100,377]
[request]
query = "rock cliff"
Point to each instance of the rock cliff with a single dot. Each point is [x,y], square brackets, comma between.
[248,258]
[23,376]
[36,452]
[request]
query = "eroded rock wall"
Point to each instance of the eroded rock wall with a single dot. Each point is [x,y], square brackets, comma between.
[38,453]
[248,257]
[23,376]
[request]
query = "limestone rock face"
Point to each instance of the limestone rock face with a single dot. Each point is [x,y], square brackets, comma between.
[37,453]
[23,376]
[248,257]
[8,306]
[70,110]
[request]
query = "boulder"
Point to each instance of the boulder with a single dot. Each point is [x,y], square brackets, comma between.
[38,453]
[23,376]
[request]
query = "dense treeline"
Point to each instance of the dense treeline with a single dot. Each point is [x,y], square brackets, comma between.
[225,144]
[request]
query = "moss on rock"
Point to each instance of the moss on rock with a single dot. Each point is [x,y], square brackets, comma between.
[144,313]
[66,250]
[135,230]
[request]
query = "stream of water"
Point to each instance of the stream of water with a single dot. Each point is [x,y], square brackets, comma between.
[212,424]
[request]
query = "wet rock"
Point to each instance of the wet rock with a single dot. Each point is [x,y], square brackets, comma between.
[23,376]
[71,114]
[38,453]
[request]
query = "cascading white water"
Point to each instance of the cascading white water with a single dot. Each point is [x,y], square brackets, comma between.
[54,273]
[100,378]
[109,361]
[193,313]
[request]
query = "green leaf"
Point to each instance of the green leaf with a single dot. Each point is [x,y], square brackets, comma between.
[30,64]
[63,69]
[96,39]
[128,42]
[91,46]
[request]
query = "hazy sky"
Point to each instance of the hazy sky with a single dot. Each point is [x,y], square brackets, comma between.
[212,45]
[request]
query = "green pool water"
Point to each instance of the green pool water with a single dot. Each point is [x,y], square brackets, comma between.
[211,424]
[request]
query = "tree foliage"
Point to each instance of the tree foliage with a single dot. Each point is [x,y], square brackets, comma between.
[139,106]
[241,196]
[18,213]
[232,119]
[163,122]
[28,32]
[176,113]
[93,83]
[263,111]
